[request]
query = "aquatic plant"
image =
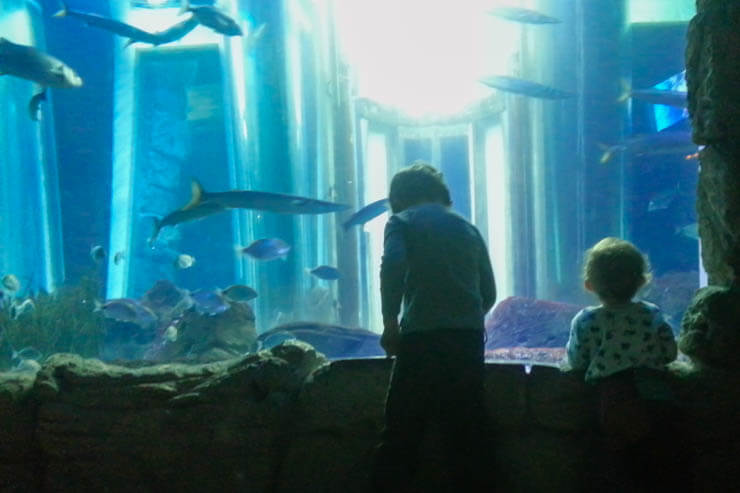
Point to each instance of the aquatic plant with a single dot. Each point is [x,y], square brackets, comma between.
[62,321]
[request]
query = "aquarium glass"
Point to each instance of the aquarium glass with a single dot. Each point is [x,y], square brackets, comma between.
[201,195]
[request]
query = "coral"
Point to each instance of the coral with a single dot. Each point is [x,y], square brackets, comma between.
[62,321]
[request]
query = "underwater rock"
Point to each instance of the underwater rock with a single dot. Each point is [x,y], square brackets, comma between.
[672,292]
[203,338]
[166,300]
[709,333]
[527,322]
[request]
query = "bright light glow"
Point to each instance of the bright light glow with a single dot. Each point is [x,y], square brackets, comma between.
[376,179]
[425,57]
[157,3]
[499,212]
[665,116]
[15,27]
[661,10]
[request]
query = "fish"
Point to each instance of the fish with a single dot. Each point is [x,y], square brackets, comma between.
[209,302]
[655,144]
[239,293]
[127,310]
[18,309]
[169,35]
[689,231]
[213,18]
[523,16]
[97,253]
[203,204]
[26,366]
[118,257]
[677,99]
[134,34]
[663,199]
[524,87]
[184,261]
[253,37]
[365,214]
[31,64]
[28,352]
[266,249]
[34,105]
[326,272]
[11,282]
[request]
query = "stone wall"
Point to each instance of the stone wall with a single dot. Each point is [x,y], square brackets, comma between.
[286,421]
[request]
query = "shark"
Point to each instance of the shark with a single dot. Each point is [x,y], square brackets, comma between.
[31,64]
[203,204]
[213,18]
[134,34]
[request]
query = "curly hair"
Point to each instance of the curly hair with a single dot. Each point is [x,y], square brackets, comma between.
[417,184]
[616,269]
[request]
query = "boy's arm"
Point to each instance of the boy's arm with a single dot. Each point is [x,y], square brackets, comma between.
[393,268]
[578,352]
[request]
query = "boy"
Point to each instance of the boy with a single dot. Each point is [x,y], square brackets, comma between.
[436,263]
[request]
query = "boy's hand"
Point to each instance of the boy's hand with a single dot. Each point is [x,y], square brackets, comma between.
[391,337]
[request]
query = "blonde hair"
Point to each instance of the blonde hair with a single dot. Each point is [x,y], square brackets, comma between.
[616,269]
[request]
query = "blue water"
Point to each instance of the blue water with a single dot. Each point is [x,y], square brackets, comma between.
[277,114]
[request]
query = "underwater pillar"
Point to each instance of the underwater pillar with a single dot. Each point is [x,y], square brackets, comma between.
[712,74]
[601,53]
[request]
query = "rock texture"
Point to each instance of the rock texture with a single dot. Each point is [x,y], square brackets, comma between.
[712,73]
[286,420]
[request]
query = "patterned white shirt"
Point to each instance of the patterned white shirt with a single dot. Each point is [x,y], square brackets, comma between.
[606,340]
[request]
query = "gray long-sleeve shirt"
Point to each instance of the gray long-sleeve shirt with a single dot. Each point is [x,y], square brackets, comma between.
[437,263]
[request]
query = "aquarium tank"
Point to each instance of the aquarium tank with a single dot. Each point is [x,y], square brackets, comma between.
[193,181]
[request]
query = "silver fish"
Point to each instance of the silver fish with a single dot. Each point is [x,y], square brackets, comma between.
[184,261]
[660,143]
[97,253]
[31,64]
[203,204]
[11,282]
[524,87]
[523,16]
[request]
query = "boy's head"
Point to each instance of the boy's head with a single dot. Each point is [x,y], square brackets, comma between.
[615,270]
[417,184]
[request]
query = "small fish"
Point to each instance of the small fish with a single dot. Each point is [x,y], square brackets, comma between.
[663,199]
[254,36]
[97,253]
[267,249]
[17,309]
[11,283]
[118,257]
[27,353]
[524,87]
[26,366]
[184,261]
[209,302]
[689,231]
[523,16]
[370,211]
[239,292]
[213,18]
[170,334]
[326,272]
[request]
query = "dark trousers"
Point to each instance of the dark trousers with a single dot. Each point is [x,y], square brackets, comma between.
[437,375]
